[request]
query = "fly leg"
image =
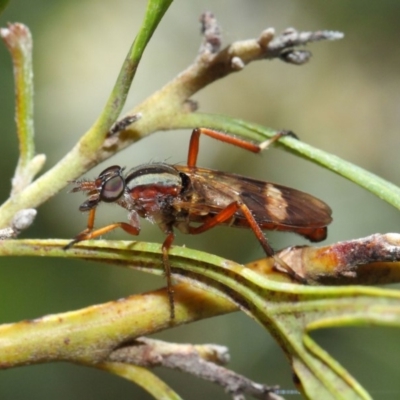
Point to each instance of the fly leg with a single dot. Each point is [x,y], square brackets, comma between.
[227,214]
[245,144]
[279,264]
[90,233]
[167,270]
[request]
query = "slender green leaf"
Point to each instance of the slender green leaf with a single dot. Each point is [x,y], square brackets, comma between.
[380,187]
[95,136]
[142,377]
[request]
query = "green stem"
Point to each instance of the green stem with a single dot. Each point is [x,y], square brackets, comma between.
[85,154]
[94,138]
[18,40]
[380,187]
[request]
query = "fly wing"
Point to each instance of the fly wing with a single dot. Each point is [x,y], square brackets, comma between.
[286,206]
[275,207]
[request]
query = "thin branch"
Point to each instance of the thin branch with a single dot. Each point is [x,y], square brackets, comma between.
[373,260]
[213,64]
[202,361]
[161,111]
[18,40]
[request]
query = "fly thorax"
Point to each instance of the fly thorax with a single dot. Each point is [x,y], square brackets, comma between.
[151,189]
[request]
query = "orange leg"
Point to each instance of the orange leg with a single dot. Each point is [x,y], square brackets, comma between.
[89,233]
[228,213]
[245,144]
[167,270]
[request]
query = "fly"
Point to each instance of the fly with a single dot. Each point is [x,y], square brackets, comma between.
[194,200]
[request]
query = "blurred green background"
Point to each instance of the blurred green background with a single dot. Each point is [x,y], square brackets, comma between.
[345,101]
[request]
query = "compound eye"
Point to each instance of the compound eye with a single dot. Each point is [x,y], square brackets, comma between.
[112,189]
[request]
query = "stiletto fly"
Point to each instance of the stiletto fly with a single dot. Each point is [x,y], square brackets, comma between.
[194,200]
